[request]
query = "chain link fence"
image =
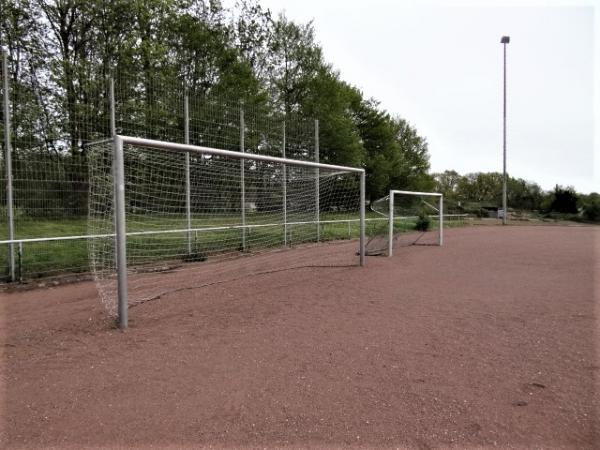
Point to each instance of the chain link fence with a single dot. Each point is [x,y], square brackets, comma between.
[51,129]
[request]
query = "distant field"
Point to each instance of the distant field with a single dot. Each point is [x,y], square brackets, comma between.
[40,259]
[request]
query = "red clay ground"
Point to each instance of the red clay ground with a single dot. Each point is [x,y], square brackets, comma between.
[489,341]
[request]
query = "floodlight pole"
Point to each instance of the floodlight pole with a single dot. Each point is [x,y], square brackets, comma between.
[504,41]
[8,167]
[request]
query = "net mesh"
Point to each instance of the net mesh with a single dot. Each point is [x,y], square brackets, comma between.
[416,222]
[158,237]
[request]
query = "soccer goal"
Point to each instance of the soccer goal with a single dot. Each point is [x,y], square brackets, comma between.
[406,218]
[157,207]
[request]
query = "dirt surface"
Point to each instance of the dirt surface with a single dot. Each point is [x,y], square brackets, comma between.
[489,341]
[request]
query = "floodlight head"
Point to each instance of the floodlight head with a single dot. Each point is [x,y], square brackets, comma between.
[505,40]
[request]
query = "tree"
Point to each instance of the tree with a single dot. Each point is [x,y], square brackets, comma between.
[591,206]
[447,183]
[295,59]
[396,156]
[564,200]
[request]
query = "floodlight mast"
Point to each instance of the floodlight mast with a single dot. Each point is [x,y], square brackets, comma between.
[504,41]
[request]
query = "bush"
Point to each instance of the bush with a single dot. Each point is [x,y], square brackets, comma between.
[564,200]
[423,222]
[591,209]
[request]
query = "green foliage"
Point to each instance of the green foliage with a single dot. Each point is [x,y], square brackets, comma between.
[563,200]
[472,191]
[423,222]
[591,207]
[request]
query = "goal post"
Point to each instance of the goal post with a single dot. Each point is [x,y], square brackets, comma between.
[392,215]
[404,218]
[149,219]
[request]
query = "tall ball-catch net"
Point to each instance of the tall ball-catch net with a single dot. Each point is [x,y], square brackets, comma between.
[415,217]
[187,213]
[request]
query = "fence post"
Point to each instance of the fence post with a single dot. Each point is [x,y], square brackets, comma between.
[188,200]
[441,220]
[8,167]
[242,175]
[391,225]
[284,191]
[113,134]
[20,265]
[362,218]
[317,192]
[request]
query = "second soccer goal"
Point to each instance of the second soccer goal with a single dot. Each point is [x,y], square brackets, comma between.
[405,218]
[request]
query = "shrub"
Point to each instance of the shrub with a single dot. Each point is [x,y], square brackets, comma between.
[423,222]
[591,209]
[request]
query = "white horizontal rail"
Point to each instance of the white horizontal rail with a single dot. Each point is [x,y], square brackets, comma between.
[220,228]
[176,147]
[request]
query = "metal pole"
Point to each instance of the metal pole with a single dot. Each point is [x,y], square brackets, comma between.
[20,253]
[8,165]
[317,180]
[243,176]
[504,201]
[362,218]
[121,237]
[113,133]
[200,150]
[284,191]
[441,220]
[391,226]
[113,119]
[188,201]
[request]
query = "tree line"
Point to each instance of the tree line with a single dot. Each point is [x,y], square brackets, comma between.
[61,53]
[66,49]
[474,191]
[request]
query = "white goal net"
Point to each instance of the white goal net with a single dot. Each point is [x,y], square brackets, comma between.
[405,218]
[187,209]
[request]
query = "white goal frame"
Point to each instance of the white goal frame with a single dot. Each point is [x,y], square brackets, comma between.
[391,215]
[119,141]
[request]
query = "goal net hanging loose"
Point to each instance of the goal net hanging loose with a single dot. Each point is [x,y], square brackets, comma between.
[158,208]
[405,218]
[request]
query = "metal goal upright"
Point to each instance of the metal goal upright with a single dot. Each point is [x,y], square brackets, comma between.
[120,187]
[418,194]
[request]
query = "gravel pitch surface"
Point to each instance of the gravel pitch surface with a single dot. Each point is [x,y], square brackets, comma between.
[489,341]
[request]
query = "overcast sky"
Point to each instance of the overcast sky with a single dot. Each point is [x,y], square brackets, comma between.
[439,65]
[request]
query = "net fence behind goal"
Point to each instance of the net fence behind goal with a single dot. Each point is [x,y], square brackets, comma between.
[191,211]
[405,218]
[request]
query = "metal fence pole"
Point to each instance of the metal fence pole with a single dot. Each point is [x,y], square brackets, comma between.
[121,237]
[391,226]
[8,166]
[242,176]
[188,201]
[441,220]
[113,133]
[317,173]
[284,191]
[112,106]
[362,218]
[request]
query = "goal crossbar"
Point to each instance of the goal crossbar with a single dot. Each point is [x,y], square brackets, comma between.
[119,143]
